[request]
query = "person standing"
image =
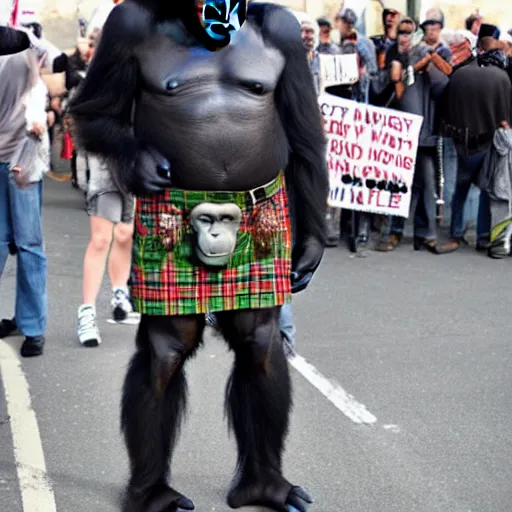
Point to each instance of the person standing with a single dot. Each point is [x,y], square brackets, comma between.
[326,45]
[21,230]
[111,211]
[478,102]
[420,76]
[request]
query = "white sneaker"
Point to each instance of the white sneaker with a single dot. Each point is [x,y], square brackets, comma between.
[88,332]
[121,305]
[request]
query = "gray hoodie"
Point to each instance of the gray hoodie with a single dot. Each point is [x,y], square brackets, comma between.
[496,175]
[15,80]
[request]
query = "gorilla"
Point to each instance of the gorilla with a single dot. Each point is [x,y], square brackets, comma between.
[206,110]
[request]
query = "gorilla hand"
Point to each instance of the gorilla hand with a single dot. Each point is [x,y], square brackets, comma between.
[151,173]
[307,258]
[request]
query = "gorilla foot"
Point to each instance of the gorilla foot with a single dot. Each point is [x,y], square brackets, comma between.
[268,494]
[160,498]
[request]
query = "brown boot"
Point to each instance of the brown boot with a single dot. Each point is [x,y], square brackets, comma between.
[389,243]
[436,247]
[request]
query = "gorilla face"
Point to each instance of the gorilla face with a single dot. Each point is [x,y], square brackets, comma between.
[215,227]
[220,19]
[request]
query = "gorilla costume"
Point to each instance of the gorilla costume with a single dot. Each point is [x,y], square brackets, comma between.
[207,111]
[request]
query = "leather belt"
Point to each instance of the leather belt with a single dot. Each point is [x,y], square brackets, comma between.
[463,137]
[259,194]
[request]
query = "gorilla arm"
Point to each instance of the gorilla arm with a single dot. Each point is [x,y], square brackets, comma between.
[306,174]
[102,107]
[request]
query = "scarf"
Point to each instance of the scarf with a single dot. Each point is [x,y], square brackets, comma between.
[493,58]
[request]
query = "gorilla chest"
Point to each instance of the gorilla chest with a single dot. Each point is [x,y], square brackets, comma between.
[192,81]
[212,109]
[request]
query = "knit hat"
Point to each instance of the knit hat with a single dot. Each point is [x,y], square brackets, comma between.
[488,30]
[432,17]
[347,15]
[407,21]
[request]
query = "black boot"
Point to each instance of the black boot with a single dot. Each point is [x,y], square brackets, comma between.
[32,346]
[8,328]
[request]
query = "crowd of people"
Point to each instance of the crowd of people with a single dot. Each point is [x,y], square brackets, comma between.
[459,81]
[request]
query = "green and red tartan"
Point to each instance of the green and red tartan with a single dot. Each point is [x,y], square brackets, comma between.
[167,278]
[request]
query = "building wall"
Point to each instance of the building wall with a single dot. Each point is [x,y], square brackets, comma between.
[60,16]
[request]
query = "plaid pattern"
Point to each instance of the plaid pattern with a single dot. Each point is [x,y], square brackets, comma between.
[174,282]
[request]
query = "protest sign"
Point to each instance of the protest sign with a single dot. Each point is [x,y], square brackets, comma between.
[338,70]
[371,154]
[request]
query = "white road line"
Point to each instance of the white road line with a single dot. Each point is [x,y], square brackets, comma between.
[333,392]
[36,490]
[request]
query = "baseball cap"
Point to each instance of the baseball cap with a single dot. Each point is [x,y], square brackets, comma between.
[324,22]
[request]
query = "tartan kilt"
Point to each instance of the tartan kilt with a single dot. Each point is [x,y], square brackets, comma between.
[167,277]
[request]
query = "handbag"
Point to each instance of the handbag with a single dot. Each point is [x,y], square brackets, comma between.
[24,158]
[67,146]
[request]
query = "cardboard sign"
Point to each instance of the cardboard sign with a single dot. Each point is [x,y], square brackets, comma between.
[338,70]
[371,155]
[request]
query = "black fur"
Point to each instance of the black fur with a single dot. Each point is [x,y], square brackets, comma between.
[150,426]
[12,41]
[297,103]
[153,408]
[150,423]
[259,389]
[258,403]
[102,106]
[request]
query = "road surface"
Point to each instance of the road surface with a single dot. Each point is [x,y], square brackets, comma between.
[416,346]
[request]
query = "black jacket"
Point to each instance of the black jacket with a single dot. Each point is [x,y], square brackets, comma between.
[75,64]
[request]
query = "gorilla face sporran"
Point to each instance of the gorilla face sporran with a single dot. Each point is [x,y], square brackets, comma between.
[220,19]
[215,227]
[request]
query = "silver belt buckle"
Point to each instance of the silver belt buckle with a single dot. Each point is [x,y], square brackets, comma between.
[253,193]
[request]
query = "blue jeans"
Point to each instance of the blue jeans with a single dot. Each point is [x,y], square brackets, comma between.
[423,207]
[450,161]
[467,171]
[21,223]
[287,326]
[423,194]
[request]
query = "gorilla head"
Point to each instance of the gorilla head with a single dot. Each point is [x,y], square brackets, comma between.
[213,22]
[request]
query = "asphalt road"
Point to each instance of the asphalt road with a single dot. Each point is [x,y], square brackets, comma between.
[422,341]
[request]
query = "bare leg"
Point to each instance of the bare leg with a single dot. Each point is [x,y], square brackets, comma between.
[154,400]
[120,257]
[95,258]
[258,402]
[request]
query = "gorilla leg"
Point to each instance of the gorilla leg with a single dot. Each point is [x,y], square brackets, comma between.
[153,403]
[258,402]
